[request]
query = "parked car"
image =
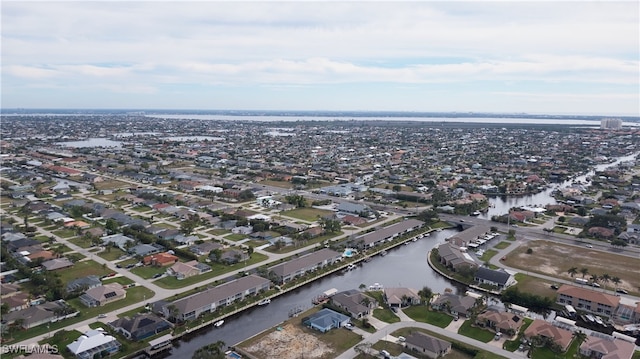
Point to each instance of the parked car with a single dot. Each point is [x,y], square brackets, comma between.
[348,326]
[102,315]
[621,291]
[589,246]
[157,275]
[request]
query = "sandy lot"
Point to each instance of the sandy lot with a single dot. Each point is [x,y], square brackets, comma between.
[290,343]
[555,259]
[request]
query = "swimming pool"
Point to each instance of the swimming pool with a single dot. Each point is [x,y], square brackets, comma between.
[234,355]
[348,253]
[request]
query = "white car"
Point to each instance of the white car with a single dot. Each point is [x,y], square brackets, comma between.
[348,326]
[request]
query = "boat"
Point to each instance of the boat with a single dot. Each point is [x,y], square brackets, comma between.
[264,301]
[475,213]
[218,323]
[383,253]
[367,259]
[351,266]
[375,286]
[414,239]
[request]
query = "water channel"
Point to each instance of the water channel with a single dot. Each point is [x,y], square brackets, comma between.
[405,266]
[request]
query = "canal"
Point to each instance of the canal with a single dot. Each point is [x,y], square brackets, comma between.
[500,205]
[405,266]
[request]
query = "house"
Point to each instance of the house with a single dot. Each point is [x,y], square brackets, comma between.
[141,326]
[588,300]
[495,278]
[35,315]
[542,328]
[388,233]
[325,320]
[401,297]
[94,342]
[454,258]
[469,235]
[353,220]
[182,239]
[601,232]
[8,289]
[232,256]
[353,208]
[209,300]
[84,283]
[160,259]
[143,249]
[355,302]
[18,301]
[117,240]
[454,304]
[309,262]
[607,348]
[427,345]
[99,296]
[189,269]
[205,248]
[500,322]
[57,263]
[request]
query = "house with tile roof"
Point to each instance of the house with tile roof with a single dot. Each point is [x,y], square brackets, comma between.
[542,328]
[160,259]
[607,348]
[500,322]
[189,269]
[355,302]
[57,263]
[401,297]
[454,304]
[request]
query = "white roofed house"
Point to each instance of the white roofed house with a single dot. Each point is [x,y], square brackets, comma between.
[94,342]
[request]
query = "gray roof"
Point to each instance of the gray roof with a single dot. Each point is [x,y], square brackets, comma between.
[390,231]
[216,294]
[470,234]
[352,207]
[305,261]
[495,276]
[87,282]
[460,304]
[427,342]
[145,249]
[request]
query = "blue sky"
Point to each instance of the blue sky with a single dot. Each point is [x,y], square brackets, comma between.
[572,57]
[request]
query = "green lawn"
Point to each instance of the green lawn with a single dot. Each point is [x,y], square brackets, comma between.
[235,237]
[421,313]
[487,255]
[502,245]
[306,214]
[81,242]
[121,280]
[216,270]
[147,272]
[65,233]
[82,269]
[479,334]
[134,295]
[385,315]
[111,253]
[218,232]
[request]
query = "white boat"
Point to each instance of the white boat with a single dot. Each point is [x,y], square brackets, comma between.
[590,317]
[218,323]
[264,301]
[599,320]
[351,266]
[475,213]
[383,253]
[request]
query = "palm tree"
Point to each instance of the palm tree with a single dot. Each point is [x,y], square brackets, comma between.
[572,271]
[579,336]
[616,281]
[584,272]
[605,278]
[594,278]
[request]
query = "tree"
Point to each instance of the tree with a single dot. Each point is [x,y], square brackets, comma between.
[615,281]
[425,293]
[572,271]
[605,278]
[584,272]
[362,286]
[579,336]
[330,225]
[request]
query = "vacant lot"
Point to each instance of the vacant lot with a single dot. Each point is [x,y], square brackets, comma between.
[555,259]
[307,214]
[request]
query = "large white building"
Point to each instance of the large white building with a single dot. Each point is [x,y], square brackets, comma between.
[611,124]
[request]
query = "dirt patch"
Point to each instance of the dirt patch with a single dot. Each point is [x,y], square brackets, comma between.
[555,259]
[290,343]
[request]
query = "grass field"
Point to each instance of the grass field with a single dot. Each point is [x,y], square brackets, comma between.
[82,269]
[307,214]
[502,245]
[487,255]
[479,334]
[555,259]
[111,253]
[386,315]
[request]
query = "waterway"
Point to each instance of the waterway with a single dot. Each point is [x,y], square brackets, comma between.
[405,266]
[501,205]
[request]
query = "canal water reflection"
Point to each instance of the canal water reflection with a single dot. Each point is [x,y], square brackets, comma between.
[406,266]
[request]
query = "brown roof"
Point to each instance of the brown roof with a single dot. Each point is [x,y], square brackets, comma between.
[590,295]
[540,327]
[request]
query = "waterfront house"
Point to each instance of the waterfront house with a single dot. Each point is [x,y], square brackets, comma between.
[500,322]
[388,233]
[453,258]
[496,278]
[141,326]
[209,300]
[401,297]
[307,263]
[355,302]
[427,345]
[454,304]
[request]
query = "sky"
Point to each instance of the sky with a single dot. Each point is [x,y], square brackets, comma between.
[574,57]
